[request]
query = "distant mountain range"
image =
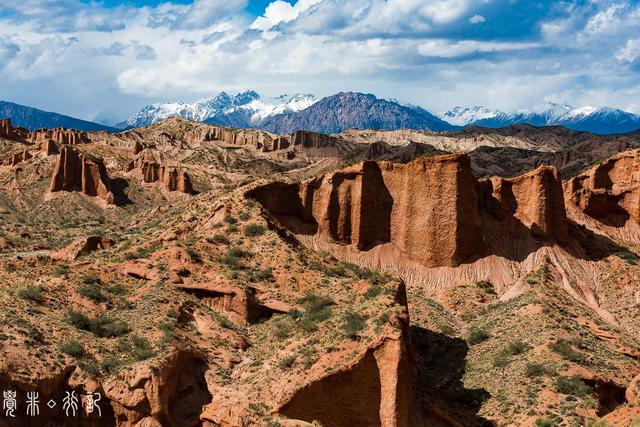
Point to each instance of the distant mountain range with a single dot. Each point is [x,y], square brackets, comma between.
[589,119]
[336,113]
[244,110]
[32,118]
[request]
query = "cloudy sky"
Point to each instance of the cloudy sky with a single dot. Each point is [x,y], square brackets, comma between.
[111,57]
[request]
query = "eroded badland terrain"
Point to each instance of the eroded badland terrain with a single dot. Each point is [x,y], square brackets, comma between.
[196,275]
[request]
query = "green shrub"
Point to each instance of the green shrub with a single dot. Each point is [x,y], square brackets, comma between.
[476,336]
[516,347]
[535,370]
[628,256]
[72,348]
[253,230]
[229,219]
[545,422]
[100,326]
[220,239]
[32,293]
[486,286]
[353,323]
[93,293]
[566,351]
[117,289]
[282,330]
[287,362]
[142,349]
[573,386]
[90,279]
[372,292]
[233,257]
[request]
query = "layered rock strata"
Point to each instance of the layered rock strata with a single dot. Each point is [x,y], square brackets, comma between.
[78,172]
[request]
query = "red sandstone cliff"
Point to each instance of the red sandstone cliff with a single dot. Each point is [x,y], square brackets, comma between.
[432,210]
[60,136]
[172,178]
[78,172]
[610,191]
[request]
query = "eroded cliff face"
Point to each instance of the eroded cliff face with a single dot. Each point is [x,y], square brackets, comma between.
[610,191]
[60,136]
[172,178]
[432,210]
[7,131]
[77,172]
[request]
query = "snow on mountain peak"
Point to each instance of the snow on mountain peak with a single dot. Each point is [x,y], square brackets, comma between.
[462,116]
[248,102]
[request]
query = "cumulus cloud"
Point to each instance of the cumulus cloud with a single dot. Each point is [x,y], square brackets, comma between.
[433,53]
[197,15]
[134,48]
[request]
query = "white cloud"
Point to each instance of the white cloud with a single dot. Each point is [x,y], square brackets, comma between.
[281,11]
[423,51]
[448,49]
[630,52]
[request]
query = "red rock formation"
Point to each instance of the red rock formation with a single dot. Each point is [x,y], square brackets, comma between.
[610,191]
[173,178]
[534,199]
[241,305]
[312,140]
[82,247]
[16,158]
[78,172]
[61,136]
[432,210]
[373,203]
[7,131]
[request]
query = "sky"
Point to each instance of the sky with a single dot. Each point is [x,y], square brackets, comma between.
[106,59]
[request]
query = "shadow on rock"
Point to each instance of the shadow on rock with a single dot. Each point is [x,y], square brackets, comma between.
[440,366]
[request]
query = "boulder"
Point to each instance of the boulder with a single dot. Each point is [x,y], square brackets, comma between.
[633,391]
[78,172]
[81,247]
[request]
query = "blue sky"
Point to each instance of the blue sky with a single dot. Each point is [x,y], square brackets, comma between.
[109,58]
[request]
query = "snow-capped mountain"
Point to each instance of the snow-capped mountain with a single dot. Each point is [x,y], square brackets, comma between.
[462,116]
[246,109]
[602,120]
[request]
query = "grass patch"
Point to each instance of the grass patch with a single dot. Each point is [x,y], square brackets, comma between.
[287,362]
[567,352]
[93,292]
[100,326]
[476,336]
[32,293]
[253,230]
[627,256]
[353,323]
[486,286]
[72,348]
[573,386]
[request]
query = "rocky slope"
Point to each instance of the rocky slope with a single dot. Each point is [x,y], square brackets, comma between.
[193,274]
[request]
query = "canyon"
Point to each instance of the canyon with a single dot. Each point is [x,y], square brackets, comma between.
[200,275]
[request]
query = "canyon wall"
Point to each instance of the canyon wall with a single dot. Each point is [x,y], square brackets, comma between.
[432,210]
[78,172]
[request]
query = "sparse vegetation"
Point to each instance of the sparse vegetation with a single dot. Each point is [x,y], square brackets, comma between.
[486,286]
[72,348]
[566,351]
[353,323]
[32,293]
[253,230]
[476,336]
[572,386]
[100,326]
